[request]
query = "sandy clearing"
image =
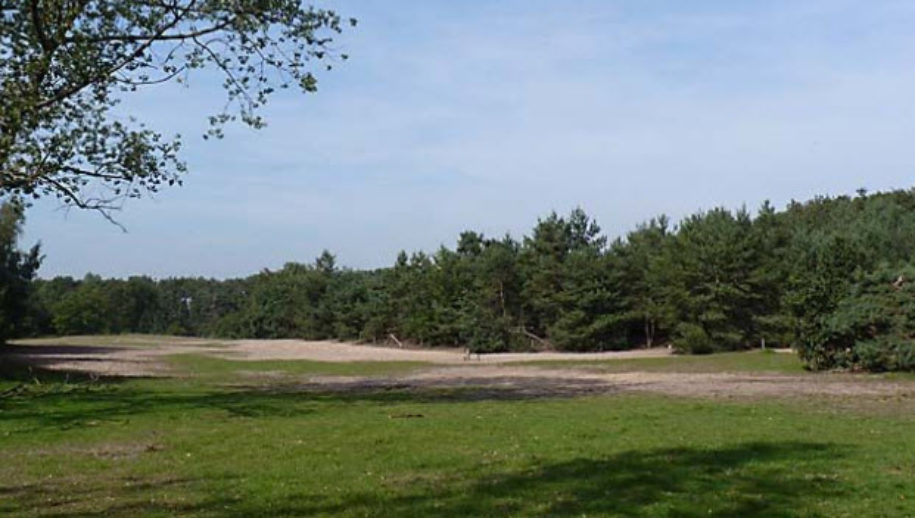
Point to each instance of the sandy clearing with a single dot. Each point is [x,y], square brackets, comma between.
[145,355]
[345,352]
[103,361]
[447,369]
[125,340]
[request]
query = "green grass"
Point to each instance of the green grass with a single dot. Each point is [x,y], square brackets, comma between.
[748,361]
[216,369]
[121,340]
[194,446]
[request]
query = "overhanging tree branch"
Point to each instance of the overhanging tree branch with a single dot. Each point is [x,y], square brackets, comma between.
[64,65]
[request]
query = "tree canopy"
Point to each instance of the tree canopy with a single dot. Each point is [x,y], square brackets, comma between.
[66,64]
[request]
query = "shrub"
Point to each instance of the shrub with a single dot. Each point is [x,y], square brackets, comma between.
[871,328]
[692,339]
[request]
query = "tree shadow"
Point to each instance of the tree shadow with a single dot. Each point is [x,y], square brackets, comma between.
[127,497]
[64,400]
[747,480]
[39,351]
[35,362]
[756,479]
[41,356]
[71,405]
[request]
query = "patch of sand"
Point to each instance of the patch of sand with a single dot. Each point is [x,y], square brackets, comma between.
[449,368]
[344,352]
[144,356]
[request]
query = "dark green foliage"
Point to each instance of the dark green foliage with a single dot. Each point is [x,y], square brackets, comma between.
[17,268]
[492,298]
[845,255]
[712,262]
[85,310]
[693,338]
[872,327]
[570,289]
[772,235]
[590,304]
[542,265]
[642,261]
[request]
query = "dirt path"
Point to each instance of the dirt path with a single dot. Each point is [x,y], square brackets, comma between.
[145,356]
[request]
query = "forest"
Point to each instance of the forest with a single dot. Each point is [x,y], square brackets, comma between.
[832,277]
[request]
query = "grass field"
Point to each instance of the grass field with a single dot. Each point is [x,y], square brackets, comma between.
[220,369]
[214,442]
[757,361]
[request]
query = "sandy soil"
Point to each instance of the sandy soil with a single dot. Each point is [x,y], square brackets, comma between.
[675,383]
[144,356]
[344,352]
[101,361]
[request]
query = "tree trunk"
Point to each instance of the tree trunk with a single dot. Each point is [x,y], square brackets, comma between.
[502,298]
[649,333]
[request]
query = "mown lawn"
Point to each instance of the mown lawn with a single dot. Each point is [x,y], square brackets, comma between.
[199,446]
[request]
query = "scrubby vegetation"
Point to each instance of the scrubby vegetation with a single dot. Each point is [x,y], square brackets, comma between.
[831,277]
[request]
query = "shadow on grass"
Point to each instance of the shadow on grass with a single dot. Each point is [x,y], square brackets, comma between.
[41,398]
[772,478]
[39,351]
[747,480]
[128,497]
[69,405]
[17,367]
[29,365]
[753,479]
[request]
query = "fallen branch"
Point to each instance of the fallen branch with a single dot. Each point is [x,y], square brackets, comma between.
[13,391]
[542,341]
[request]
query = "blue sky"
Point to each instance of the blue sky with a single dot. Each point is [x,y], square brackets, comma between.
[487,115]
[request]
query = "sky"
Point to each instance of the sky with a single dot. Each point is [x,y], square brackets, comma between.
[487,115]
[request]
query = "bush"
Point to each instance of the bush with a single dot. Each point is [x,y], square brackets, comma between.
[886,354]
[871,328]
[692,339]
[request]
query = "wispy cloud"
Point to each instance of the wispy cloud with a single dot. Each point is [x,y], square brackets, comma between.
[489,114]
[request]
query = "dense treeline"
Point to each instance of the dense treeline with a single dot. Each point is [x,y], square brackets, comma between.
[832,277]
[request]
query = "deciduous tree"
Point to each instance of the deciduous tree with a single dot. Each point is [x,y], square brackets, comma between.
[17,268]
[66,64]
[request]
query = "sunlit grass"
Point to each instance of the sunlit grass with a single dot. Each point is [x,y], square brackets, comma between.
[222,369]
[745,361]
[207,443]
